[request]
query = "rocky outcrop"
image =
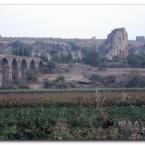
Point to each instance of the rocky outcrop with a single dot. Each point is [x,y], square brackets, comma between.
[116,44]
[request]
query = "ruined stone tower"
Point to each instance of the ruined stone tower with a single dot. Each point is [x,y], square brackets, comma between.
[116,44]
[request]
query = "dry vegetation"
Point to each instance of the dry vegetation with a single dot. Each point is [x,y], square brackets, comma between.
[103,114]
[73,97]
[79,72]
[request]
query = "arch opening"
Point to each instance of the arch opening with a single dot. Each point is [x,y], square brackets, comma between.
[14,71]
[32,66]
[41,67]
[5,73]
[24,70]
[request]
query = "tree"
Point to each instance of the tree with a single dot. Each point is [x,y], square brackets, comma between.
[48,67]
[66,58]
[21,49]
[48,84]
[31,76]
[95,78]
[56,58]
[91,58]
[136,60]
[135,80]
[60,79]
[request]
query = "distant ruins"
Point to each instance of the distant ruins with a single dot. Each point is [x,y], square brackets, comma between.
[14,68]
[116,44]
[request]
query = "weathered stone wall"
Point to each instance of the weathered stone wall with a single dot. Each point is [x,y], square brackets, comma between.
[119,45]
[116,44]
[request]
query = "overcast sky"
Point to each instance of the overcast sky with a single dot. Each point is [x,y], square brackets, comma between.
[71,21]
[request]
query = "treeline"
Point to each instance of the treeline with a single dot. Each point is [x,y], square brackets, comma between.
[89,57]
[18,48]
[133,80]
[133,60]
[136,60]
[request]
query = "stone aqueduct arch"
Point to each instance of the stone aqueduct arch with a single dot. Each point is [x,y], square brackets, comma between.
[14,68]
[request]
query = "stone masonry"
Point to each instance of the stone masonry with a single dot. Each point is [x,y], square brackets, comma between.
[117,43]
[13,68]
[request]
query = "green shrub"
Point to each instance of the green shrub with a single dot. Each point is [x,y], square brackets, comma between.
[47,84]
[95,78]
[60,79]
[91,58]
[48,67]
[20,49]
[31,76]
[110,79]
[135,80]
[58,83]
[136,60]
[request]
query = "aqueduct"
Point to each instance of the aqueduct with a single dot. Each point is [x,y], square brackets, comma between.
[14,68]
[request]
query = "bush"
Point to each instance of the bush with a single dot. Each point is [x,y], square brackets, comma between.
[95,78]
[44,58]
[20,49]
[31,76]
[48,67]
[136,60]
[135,80]
[66,58]
[58,83]
[23,86]
[48,84]
[110,79]
[60,79]
[91,58]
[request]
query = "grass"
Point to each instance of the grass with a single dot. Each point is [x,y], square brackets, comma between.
[72,97]
[69,123]
[102,114]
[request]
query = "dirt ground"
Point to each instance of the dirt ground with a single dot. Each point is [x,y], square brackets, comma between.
[81,72]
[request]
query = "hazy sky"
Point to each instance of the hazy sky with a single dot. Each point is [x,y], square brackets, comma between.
[71,21]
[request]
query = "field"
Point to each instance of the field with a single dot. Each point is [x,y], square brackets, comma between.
[80,72]
[81,97]
[72,123]
[102,114]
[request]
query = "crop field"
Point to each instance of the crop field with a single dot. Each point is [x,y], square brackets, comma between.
[72,123]
[102,114]
[134,96]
